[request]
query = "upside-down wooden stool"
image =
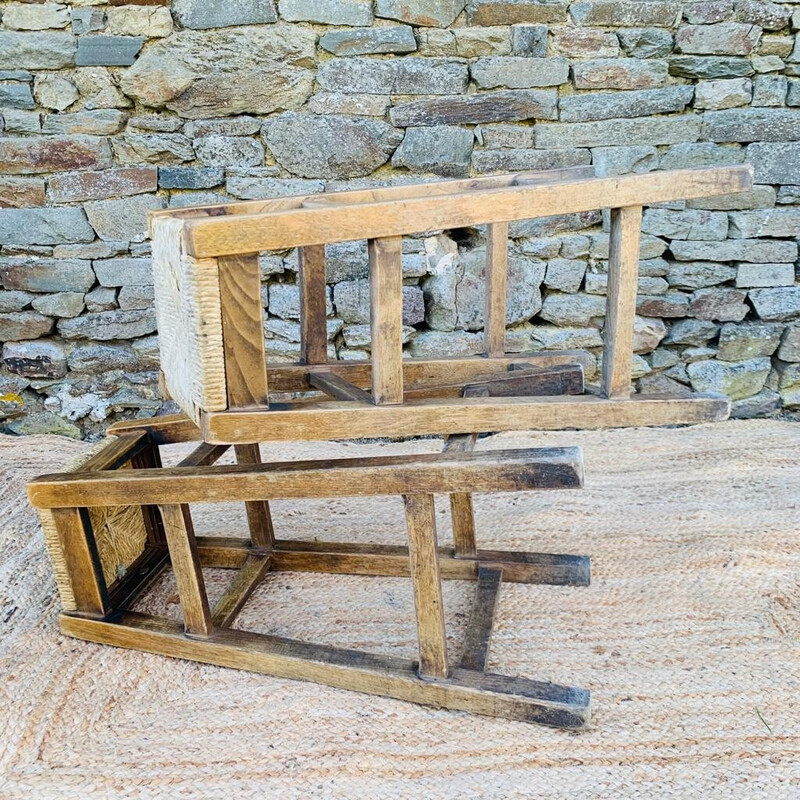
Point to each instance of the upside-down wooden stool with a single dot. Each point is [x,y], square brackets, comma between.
[114,523]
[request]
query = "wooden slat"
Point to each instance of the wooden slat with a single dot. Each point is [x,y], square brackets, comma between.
[313,319]
[332,420]
[243,331]
[494,315]
[203,455]
[386,319]
[217,236]
[241,587]
[339,388]
[168,429]
[475,653]
[139,576]
[495,471]
[623,273]
[348,558]
[428,603]
[390,676]
[259,516]
[119,450]
[150,458]
[186,566]
[79,549]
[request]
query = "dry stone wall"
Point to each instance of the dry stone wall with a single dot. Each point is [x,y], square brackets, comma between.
[110,109]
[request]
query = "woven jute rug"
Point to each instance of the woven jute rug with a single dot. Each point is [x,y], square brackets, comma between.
[688,637]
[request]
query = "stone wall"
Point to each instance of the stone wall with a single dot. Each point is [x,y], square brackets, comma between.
[110,109]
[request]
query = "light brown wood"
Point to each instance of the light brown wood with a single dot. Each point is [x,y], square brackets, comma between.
[348,558]
[338,388]
[243,331]
[225,235]
[186,566]
[168,429]
[475,652]
[313,316]
[259,516]
[241,587]
[495,471]
[388,676]
[83,562]
[333,420]
[203,455]
[423,554]
[623,273]
[386,319]
[494,315]
[118,451]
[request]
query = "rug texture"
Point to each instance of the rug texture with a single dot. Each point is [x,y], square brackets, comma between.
[688,637]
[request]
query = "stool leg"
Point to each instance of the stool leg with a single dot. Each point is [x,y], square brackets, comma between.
[259,518]
[421,522]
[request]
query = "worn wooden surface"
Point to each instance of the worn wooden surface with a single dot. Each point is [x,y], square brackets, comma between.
[494,314]
[475,652]
[313,316]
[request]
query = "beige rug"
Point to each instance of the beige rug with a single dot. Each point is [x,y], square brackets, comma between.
[689,639]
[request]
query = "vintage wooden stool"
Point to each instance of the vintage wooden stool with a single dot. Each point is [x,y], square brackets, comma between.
[114,523]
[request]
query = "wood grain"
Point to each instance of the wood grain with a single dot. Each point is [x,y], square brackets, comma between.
[244,583]
[475,652]
[259,516]
[313,315]
[494,315]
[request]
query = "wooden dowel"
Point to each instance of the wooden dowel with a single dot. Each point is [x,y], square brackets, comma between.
[623,271]
[481,621]
[186,566]
[243,331]
[259,517]
[386,319]
[241,587]
[336,387]
[203,455]
[494,316]
[421,523]
[79,549]
[313,320]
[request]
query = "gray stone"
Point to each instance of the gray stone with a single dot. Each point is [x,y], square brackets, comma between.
[565,274]
[775,162]
[228,151]
[186,199]
[647,285]
[63,304]
[85,20]
[29,17]
[330,146]
[16,95]
[435,13]
[775,222]
[146,350]
[506,12]
[647,334]
[441,344]
[519,72]
[650,247]
[99,358]
[136,297]
[502,106]
[628,13]
[361,41]
[709,67]
[701,154]
[328,12]
[646,42]
[136,20]
[43,422]
[44,358]
[36,50]
[758,197]
[101,299]
[359,336]
[110,51]
[26,226]
[121,271]
[225,126]
[255,188]
[724,93]
[395,76]
[736,380]
[572,310]
[76,186]
[500,135]
[271,65]
[776,305]
[721,38]
[770,16]
[201,14]
[18,325]
[692,332]
[662,384]
[763,404]
[554,338]
[15,300]
[752,125]
[656,130]
[619,73]
[351,299]
[55,92]
[96,249]
[751,250]
[602,105]
[106,325]
[367,105]
[346,261]
[159,148]
[528,40]
[284,301]
[751,340]
[671,305]
[101,122]
[790,344]
[442,150]
[190,177]
[46,274]
[788,195]
[122,219]
[20,156]
[770,90]
[21,122]
[549,226]
[698,274]
[622,160]
[721,305]
[697,225]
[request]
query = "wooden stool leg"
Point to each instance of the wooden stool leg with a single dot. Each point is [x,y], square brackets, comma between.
[421,522]
[259,517]
[186,566]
